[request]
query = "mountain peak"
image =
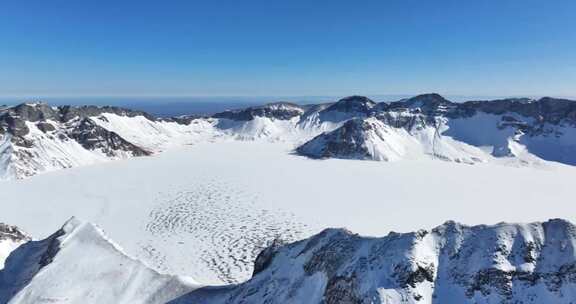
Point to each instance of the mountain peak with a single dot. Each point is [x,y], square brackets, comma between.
[352,104]
[425,102]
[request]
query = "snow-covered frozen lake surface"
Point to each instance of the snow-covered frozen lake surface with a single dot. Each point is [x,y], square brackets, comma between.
[205,210]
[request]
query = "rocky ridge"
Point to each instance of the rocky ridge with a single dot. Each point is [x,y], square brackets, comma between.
[452,263]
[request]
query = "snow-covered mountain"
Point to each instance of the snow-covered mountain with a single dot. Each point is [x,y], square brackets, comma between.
[78,264]
[430,126]
[452,263]
[35,137]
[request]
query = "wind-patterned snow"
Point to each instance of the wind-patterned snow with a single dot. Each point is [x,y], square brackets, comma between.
[187,202]
[226,225]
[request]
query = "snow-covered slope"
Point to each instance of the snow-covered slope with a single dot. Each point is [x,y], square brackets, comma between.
[453,263]
[78,264]
[10,238]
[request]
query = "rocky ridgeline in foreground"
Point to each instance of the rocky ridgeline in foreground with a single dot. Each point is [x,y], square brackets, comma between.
[36,138]
[452,263]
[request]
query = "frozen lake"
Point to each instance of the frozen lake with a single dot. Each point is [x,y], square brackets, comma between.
[205,210]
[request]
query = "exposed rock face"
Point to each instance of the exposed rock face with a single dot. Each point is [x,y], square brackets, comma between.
[92,136]
[14,118]
[453,263]
[70,112]
[544,110]
[12,233]
[352,104]
[348,141]
[427,103]
[36,137]
[280,110]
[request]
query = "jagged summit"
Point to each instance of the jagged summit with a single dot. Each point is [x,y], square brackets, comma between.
[352,104]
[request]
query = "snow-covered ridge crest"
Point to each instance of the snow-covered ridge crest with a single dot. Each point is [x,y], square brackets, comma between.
[452,263]
[10,238]
[79,264]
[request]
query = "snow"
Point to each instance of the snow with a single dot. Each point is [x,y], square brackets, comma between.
[155,135]
[81,257]
[244,183]
[259,128]
[6,247]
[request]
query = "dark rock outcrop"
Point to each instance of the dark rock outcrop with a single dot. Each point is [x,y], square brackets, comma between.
[279,110]
[352,104]
[93,137]
[347,141]
[12,233]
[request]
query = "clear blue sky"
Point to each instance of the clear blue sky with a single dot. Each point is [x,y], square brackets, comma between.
[291,48]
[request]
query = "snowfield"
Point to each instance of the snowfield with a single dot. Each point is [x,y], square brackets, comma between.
[193,209]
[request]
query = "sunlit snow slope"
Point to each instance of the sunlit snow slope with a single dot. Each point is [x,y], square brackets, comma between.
[78,264]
